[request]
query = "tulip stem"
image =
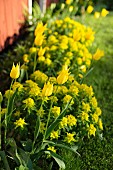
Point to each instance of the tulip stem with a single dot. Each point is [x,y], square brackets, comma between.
[48,119]
[5,133]
[35,63]
[49,114]
[0,127]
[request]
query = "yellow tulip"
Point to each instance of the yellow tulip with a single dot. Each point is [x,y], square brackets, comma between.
[40,28]
[89,9]
[68,2]
[47,89]
[41,51]
[97,15]
[104,12]
[63,76]
[39,40]
[15,71]
[70,8]
[98,54]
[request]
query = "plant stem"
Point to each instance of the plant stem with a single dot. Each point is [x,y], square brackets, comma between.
[35,128]
[35,63]
[0,127]
[0,131]
[48,119]
[49,114]
[5,133]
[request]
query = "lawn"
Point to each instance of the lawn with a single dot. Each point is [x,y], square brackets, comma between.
[97,154]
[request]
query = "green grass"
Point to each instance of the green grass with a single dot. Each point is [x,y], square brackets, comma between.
[97,154]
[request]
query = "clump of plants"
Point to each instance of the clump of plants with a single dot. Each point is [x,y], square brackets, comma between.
[45,114]
[64,43]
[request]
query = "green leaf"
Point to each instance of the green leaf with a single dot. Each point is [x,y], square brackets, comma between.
[12,143]
[36,156]
[49,142]
[50,166]
[25,158]
[88,72]
[21,167]
[57,158]
[10,106]
[63,145]
[36,10]
[27,145]
[73,149]
[3,156]
[22,74]
[37,128]
[56,122]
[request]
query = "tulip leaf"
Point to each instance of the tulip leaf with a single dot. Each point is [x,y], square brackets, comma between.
[27,145]
[37,128]
[63,145]
[25,158]
[72,148]
[22,74]
[3,156]
[56,122]
[57,158]
[50,166]
[10,105]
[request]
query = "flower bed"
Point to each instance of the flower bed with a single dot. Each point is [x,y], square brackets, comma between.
[64,43]
[51,108]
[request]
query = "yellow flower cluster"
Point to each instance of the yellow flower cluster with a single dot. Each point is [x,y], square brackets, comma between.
[29,103]
[51,149]
[20,123]
[39,77]
[3,111]
[70,138]
[56,111]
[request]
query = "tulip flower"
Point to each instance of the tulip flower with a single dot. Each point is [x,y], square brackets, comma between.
[63,76]
[15,71]
[104,12]
[40,28]
[68,2]
[98,54]
[89,9]
[97,15]
[47,89]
